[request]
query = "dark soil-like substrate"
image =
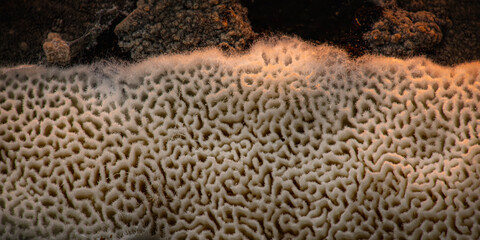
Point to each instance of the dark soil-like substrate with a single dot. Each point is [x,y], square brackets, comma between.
[24,26]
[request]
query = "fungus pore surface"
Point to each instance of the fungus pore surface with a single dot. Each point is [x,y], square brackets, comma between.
[287,141]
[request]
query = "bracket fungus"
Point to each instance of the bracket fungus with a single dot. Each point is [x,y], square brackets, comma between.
[287,141]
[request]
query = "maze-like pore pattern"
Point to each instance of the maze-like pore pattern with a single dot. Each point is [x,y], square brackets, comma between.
[287,141]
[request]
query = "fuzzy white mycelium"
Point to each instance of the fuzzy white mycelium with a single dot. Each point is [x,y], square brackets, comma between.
[288,141]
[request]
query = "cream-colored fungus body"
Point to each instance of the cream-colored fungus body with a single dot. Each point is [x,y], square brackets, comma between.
[289,141]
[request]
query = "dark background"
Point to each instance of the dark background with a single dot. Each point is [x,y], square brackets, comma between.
[24,25]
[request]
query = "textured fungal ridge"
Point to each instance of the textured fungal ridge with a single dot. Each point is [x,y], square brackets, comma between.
[287,141]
